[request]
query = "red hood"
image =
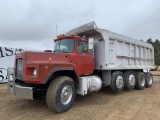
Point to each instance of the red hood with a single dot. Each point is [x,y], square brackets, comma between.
[43,57]
[44,62]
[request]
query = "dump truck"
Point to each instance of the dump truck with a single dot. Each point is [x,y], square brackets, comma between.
[83,60]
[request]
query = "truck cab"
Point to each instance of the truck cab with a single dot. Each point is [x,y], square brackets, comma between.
[38,74]
[76,48]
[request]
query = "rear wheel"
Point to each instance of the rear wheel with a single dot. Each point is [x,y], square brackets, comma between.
[149,80]
[140,80]
[61,94]
[130,80]
[117,81]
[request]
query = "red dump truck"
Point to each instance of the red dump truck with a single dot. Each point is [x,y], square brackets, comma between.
[83,60]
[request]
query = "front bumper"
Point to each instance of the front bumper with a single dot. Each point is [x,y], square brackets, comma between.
[18,90]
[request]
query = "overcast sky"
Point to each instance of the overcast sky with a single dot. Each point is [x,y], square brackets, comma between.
[31,24]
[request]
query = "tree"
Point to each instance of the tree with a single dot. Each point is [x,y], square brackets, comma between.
[150,41]
[156,45]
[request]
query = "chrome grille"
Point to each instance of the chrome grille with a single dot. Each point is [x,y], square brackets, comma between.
[19,67]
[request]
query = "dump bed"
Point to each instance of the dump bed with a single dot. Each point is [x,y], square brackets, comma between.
[115,51]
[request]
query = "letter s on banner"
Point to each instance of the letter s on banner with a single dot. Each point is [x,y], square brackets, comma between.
[1,76]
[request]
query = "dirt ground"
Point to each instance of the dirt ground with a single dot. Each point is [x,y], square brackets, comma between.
[134,105]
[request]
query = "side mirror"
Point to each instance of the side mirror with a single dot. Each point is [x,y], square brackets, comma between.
[90,45]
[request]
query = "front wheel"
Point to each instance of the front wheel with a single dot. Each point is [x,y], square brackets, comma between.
[61,94]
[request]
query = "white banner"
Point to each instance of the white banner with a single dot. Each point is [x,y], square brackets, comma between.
[7,58]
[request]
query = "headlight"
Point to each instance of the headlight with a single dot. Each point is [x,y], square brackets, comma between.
[34,72]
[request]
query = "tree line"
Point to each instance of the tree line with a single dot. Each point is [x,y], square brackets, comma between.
[156,45]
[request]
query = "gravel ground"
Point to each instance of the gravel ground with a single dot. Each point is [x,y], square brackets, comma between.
[134,105]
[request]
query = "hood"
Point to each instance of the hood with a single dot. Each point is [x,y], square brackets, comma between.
[43,57]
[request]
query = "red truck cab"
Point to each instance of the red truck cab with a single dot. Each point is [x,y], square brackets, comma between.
[53,74]
[76,49]
[70,53]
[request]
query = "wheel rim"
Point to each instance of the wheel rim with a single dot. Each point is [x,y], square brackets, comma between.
[142,81]
[119,81]
[131,79]
[150,80]
[66,94]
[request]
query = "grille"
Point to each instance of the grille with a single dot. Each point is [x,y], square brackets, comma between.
[19,67]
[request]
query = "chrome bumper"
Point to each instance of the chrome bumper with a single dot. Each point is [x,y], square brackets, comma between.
[18,90]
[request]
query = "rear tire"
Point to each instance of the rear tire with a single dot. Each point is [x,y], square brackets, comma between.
[130,80]
[61,94]
[117,81]
[149,80]
[140,80]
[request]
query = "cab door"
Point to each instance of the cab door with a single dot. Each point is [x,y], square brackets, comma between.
[84,59]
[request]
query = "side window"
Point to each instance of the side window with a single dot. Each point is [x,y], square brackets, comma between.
[83,46]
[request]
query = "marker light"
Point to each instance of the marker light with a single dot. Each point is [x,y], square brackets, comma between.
[72,34]
[49,60]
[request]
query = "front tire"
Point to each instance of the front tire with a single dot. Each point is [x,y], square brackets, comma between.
[117,81]
[61,94]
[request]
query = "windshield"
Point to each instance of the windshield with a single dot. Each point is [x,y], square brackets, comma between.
[64,45]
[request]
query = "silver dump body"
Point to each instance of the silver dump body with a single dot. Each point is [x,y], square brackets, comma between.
[115,51]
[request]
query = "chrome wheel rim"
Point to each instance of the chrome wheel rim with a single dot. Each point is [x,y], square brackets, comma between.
[142,81]
[132,79]
[66,94]
[119,81]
